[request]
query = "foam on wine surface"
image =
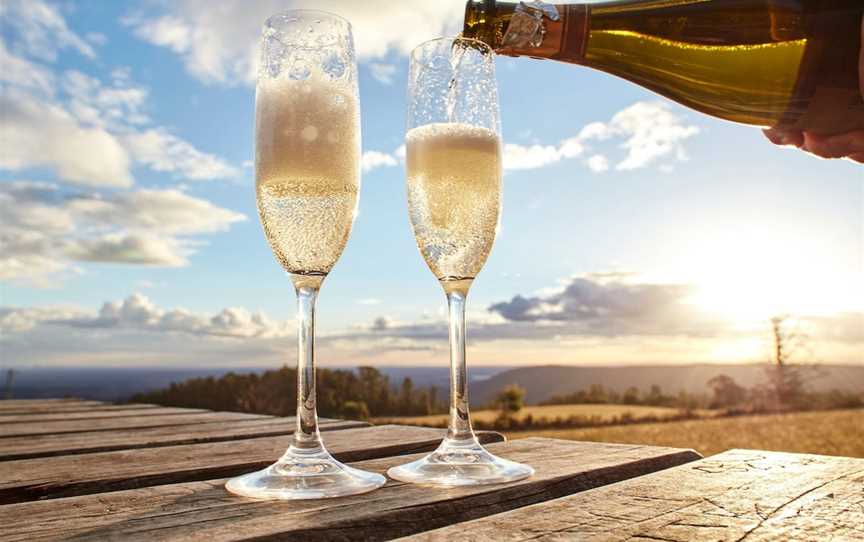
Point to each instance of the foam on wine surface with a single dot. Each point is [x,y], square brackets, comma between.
[307,169]
[454,196]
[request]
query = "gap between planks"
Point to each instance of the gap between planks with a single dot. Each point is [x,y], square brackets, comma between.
[35,417]
[23,406]
[111,424]
[35,446]
[73,407]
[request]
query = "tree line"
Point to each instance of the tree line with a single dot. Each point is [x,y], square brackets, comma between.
[368,393]
[597,394]
[353,394]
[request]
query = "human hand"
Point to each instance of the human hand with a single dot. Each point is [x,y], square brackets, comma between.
[849,145]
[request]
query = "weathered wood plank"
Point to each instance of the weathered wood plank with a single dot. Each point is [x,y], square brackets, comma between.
[104,441]
[94,414]
[132,422]
[62,476]
[50,409]
[30,404]
[736,495]
[205,511]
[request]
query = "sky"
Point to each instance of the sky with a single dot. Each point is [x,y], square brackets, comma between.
[634,231]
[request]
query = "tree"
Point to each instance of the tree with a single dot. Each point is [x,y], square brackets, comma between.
[406,397]
[655,396]
[355,410]
[631,396]
[597,394]
[510,400]
[787,381]
[10,376]
[727,392]
[432,401]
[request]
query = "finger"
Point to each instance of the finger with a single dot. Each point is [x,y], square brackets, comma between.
[784,137]
[836,146]
[861,60]
[858,157]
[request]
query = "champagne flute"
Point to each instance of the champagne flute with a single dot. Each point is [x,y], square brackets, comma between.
[454,201]
[307,179]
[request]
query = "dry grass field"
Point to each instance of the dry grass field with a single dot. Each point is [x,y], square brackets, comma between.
[837,432]
[600,412]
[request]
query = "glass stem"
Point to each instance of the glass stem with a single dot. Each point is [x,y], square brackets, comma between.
[460,421]
[306,437]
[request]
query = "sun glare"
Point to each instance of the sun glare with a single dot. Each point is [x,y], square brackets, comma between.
[750,276]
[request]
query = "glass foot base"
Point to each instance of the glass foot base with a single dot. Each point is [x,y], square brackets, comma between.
[457,463]
[301,474]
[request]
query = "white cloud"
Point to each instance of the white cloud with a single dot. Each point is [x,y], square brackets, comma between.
[593,312]
[600,305]
[140,313]
[652,132]
[88,131]
[119,108]
[597,163]
[571,148]
[383,73]
[605,310]
[137,330]
[17,320]
[96,38]
[594,130]
[167,31]
[375,159]
[368,301]
[40,29]
[220,45]
[162,151]
[648,131]
[42,134]
[46,229]
[22,73]
[129,248]
[115,107]
[382,323]
[529,157]
[91,131]
[163,211]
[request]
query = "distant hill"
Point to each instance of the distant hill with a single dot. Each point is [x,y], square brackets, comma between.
[543,382]
[104,383]
[120,383]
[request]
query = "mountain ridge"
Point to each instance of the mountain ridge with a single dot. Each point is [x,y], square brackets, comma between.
[544,381]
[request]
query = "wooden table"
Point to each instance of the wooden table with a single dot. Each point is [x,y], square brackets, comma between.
[84,470]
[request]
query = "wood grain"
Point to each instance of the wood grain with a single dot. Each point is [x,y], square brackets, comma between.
[76,408]
[739,495]
[205,511]
[131,422]
[62,476]
[53,416]
[34,446]
[41,404]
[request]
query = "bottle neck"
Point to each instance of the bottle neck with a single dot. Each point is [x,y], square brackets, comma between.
[533,29]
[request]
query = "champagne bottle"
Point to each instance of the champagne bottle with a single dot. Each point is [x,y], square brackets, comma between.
[791,64]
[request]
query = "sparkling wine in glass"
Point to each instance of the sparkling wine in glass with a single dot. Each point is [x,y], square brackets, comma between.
[307,180]
[454,201]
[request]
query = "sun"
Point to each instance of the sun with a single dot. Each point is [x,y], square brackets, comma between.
[751,276]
